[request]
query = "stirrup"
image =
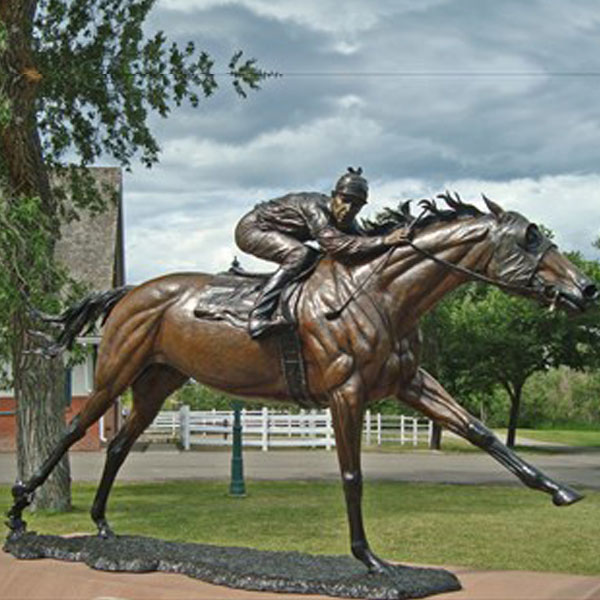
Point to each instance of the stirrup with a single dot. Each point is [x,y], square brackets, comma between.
[259,327]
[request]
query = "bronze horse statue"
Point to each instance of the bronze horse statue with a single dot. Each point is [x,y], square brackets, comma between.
[358,326]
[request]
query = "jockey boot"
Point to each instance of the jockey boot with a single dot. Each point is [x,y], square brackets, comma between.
[260,320]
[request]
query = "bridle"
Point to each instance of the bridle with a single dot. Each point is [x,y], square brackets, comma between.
[533,283]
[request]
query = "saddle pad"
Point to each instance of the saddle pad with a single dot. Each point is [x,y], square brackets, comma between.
[229,298]
[231,295]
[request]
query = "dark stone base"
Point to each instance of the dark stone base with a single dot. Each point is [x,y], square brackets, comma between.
[242,568]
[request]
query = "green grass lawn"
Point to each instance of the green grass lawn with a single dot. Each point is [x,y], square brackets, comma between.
[449,444]
[495,527]
[568,437]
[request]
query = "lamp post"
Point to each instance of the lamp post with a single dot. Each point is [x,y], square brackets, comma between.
[237,487]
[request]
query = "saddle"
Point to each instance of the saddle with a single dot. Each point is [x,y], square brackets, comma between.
[234,292]
[232,296]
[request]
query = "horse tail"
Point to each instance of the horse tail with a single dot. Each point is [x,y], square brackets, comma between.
[76,318]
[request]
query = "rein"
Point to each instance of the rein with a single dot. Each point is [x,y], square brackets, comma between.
[334,314]
[474,274]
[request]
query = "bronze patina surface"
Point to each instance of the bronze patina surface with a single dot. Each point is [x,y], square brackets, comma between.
[358,326]
[243,568]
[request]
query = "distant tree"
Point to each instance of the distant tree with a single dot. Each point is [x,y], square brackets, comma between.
[435,327]
[201,397]
[76,77]
[490,338]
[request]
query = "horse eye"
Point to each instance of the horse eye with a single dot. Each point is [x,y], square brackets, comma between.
[533,237]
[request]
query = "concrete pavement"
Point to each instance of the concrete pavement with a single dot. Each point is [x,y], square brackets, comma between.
[50,579]
[580,469]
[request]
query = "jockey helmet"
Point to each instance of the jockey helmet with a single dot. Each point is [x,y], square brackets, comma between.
[353,184]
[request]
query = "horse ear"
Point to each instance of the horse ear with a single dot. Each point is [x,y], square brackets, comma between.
[496,210]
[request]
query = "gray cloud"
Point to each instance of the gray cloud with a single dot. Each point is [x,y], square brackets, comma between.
[199,235]
[532,135]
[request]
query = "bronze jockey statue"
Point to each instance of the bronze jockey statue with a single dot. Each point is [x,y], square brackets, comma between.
[277,229]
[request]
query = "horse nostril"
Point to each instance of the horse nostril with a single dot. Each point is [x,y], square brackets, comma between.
[590,292]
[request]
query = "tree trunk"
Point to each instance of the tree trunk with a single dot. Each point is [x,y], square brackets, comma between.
[38,383]
[515,407]
[40,395]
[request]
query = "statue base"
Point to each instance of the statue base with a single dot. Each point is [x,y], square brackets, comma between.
[243,568]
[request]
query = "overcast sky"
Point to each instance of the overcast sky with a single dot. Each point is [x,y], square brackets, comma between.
[468,95]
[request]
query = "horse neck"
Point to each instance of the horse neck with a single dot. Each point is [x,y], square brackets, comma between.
[411,284]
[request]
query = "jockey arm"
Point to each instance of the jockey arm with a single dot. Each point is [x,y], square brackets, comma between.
[343,245]
[350,245]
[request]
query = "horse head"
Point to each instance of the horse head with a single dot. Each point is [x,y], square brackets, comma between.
[526,261]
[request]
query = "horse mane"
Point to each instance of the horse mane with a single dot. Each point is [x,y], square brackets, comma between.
[391,218]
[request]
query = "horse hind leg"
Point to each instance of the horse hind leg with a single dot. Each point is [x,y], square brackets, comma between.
[112,378]
[428,396]
[149,392]
[23,491]
[118,365]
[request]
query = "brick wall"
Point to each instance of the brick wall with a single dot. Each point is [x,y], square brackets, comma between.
[7,425]
[91,441]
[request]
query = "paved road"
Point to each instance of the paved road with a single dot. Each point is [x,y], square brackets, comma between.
[578,469]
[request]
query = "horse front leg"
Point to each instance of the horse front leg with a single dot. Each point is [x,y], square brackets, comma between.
[23,492]
[426,395]
[347,411]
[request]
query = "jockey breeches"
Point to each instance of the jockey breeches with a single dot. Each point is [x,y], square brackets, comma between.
[271,244]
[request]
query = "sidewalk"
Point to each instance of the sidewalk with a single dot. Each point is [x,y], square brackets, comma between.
[50,579]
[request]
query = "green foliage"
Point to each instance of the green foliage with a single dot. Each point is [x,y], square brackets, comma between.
[102,77]
[391,406]
[484,345]
[27,267]
[562,397]
[95,78]
[30,279]
[201,397]
[5,111]
[3,37]
[28,275]
[99,77]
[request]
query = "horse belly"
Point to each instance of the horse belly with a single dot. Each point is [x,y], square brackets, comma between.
[220,355]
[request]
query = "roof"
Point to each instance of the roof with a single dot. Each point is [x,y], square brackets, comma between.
[92,247]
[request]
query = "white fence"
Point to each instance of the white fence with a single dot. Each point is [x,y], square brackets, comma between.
[399,429]
[268,428]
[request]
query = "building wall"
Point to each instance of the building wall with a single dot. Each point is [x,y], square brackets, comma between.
[82,378]
[7,424]
[91,441]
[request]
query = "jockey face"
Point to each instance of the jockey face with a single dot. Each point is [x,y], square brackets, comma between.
[345,208]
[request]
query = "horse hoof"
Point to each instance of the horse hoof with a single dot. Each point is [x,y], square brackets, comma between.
[17,527]
[18,490]
[105,532]
[375,565]
[379,570]
[565,496]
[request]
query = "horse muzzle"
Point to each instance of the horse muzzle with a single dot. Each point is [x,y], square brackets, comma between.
[575,299]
